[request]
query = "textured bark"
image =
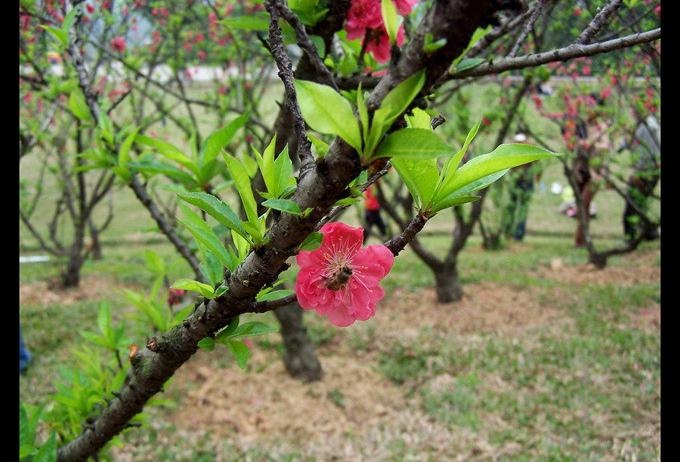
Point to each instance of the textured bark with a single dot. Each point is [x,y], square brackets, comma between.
[298,356]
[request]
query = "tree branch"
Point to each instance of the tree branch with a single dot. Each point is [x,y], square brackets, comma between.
[278,51]
[561,54]
[598,22]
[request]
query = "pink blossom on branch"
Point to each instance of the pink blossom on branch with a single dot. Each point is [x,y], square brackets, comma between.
[364,21]
[340,279]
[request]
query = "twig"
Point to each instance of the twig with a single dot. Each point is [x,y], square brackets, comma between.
[538,7]
[304,42]
[285,67]
[598,22]
[561,54]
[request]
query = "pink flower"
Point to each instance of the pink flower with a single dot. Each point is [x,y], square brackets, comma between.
[340,279]
[364,19]
[362,15]
[118,44]
[379,44]
[405,6]
[89,8]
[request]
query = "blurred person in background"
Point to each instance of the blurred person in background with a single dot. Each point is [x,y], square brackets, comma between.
[646,151]
[372,214]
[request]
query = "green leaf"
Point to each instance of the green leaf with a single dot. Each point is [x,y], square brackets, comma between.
[274,295]
[451,200]
[212,268]
[283,205]
[420,177]
[227,332]
[150,310]
[347,201]
[319,44]
[104,320]
[216,209]
[207,344]
[207,238]
[58,34]
[320,145]
[124,152]
[478,34]
[154,262]
[452,164]
[413,143]
[214,144]
[151,166]
[312,242]
[468,63]
[391,19]
[254,22]
[253,328]
[465,194]
[48,451]
[503,157]
[241,244]
[69,20]
[326,111]
[105,126]
[169,151]
[284,179]
[78,106]
[481,183]
[240,351]
[242,183]
[419,119]
[195,286]
[392,106]
[430,46]
[363,113]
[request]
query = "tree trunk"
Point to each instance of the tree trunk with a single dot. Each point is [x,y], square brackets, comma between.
[448,285]
[598,259]
[71,276]
[299,357]
[96,243]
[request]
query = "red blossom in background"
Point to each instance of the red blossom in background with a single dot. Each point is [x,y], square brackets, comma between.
[340,279]
[89,8]
[118,44]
